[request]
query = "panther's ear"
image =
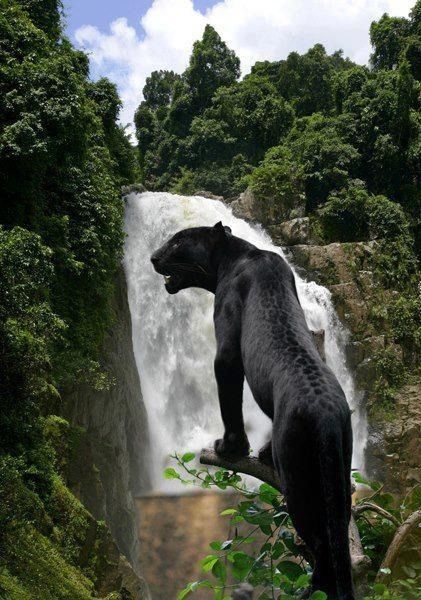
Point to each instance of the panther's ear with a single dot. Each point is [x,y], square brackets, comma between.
[221,229]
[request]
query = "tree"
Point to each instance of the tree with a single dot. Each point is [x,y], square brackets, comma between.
[388,37]
[158,91]
[212,65]
[45,15]
[326,158]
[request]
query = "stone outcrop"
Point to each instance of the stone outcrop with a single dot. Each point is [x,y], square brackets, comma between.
[247,206]
[109,468]
[291,233]
[346,270]
[394,445]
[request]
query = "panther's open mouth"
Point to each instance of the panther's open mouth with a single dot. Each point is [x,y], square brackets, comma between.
[171,282]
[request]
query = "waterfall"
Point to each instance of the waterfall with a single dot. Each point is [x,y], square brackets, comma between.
[174,341]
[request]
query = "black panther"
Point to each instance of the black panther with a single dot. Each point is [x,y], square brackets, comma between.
[261,334]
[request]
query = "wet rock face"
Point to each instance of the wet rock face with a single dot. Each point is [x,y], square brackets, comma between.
[394,451]
[346,270]
[109,468]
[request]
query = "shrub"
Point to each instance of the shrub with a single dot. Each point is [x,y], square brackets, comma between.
[405,324]
[278,186]
[386,218]
[344,216]
[354,215]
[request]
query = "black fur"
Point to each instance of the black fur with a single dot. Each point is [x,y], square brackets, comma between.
[261,334]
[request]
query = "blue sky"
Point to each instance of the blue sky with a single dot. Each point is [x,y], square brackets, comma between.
[127,39]
[101,13]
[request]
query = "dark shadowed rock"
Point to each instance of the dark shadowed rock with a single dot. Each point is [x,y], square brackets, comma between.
[111,466]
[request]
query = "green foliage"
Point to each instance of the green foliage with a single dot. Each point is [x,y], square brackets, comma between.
[63,160]
[212,65]
[353,214]
[59,130]
[391,374]
[338,121]
[403,313]
[278,185]
[277,568]
[388,37]
[31,561]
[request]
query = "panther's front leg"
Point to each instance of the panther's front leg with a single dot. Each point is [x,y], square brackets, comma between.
[229,375]
[265,454]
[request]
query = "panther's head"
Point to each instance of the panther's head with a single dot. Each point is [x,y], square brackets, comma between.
[188,259]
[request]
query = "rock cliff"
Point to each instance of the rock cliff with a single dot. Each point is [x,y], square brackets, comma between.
[109,467]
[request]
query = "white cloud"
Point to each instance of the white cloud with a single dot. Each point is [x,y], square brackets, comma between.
[255,29]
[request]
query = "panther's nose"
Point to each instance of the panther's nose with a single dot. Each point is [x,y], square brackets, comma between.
[155,259]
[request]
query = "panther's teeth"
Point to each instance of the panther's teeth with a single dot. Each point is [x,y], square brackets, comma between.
[167,278]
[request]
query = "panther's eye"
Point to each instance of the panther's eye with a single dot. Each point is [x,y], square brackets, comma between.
[175,245]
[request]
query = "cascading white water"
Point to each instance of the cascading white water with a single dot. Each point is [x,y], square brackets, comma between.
[173,335]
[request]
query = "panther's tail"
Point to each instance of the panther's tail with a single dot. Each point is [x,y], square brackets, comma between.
[336,504]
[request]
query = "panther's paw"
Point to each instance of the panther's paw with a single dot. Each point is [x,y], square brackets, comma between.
[233,445]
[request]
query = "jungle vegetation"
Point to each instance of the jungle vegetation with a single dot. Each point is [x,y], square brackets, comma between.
[63,159]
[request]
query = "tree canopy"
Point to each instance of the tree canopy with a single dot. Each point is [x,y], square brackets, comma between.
[333,121]
[63,159]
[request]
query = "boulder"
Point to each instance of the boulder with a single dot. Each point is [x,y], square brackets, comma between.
[290,233]
[264,211]
[246,207]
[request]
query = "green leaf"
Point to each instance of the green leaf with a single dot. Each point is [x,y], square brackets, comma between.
[385,571]
[219,570]
[215,545]
[267,493]
[184,593]
[192,587]
[188,457]
[241,564]
[208,562]
[318,595]
[171,473]
[303,580]
[229,511]
[291,569]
